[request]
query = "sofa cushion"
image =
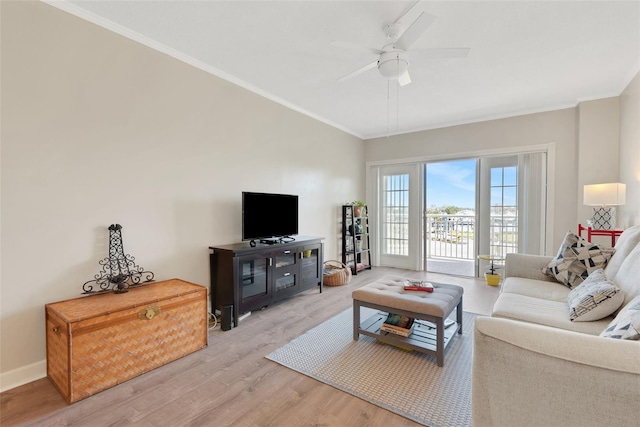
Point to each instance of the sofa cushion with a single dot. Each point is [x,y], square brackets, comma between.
[628,276]
[626,324]
[527,266]
[628,240]
[536,288]
[576,259]
[593,299]
[543,312]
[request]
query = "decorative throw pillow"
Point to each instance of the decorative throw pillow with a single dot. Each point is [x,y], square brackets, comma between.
[626,325]
[576,259]
[594,299]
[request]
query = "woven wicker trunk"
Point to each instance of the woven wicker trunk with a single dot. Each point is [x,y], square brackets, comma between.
[98,341]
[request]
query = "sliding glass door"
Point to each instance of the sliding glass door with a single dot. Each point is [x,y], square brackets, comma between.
[439,216]
[450,217]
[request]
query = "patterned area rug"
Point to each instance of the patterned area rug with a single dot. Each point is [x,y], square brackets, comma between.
[409,384]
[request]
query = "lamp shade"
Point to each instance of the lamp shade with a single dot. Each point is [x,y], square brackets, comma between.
[613,194]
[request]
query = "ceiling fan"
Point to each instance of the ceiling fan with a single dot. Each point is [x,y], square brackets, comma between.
[392,61]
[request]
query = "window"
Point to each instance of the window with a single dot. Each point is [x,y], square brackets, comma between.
[503,213]
[395,215]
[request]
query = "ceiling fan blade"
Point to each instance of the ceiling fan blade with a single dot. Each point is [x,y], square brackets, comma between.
[354,46]
[367,67]
[404,79]
[419,26]
[440,52]
[411,14]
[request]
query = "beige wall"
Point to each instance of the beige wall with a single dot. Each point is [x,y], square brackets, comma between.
[598,154]
[630,151]
[555,128]
[97,129]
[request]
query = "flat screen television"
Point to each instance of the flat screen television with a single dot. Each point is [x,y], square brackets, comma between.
[268,217]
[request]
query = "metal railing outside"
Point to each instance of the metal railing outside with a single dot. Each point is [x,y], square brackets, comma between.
[504,236]
[449,236]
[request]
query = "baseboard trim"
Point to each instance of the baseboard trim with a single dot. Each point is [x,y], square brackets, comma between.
[23,375]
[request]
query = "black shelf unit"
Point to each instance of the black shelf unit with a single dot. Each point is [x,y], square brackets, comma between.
[356,250]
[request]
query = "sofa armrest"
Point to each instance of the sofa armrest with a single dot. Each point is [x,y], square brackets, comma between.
[532,375]
[527,266]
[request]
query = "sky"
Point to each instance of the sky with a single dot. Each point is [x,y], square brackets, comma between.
[452,183]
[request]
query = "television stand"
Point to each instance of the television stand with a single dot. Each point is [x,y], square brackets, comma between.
[250,276]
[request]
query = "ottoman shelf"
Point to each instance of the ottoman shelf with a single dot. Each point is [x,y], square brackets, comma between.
[423,337]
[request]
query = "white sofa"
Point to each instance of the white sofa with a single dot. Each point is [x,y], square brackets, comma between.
[532,366]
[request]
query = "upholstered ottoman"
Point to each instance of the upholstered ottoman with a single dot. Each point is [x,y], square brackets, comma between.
[387,294]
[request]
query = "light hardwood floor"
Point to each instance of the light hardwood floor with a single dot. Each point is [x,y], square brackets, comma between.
[230,382]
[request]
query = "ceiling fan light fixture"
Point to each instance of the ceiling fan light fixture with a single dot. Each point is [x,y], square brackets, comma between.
[392,65]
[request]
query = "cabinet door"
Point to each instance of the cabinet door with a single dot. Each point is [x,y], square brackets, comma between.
[311,266]
[286,269]
[254,283]
[284,258]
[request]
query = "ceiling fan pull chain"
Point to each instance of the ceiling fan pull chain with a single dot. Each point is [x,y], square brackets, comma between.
[388,105]
[398,97]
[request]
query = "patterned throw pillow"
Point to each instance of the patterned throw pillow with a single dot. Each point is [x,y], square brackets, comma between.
[626,325]
[576,259]
[594,299]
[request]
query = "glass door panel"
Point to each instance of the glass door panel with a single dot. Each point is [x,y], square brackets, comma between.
[284,259]
[512,204]
[287,280]
[503,213]
[310,264]
[450,217]
[398,209]
[254,277]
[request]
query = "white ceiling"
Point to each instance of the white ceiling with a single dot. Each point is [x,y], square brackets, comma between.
[526,56]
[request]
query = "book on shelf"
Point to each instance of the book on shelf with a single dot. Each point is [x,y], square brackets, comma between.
[417,285]
[398,324]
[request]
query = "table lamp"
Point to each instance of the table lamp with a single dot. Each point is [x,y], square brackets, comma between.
[602,197]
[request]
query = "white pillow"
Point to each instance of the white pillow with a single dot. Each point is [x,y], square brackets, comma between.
[628,276]
[594,299]
[626,325]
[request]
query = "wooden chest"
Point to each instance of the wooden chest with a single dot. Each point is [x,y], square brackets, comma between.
[98,341]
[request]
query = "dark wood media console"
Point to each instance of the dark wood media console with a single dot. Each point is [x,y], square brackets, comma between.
[246,278]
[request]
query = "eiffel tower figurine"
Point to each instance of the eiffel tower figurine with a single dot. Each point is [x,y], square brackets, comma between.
[119,270]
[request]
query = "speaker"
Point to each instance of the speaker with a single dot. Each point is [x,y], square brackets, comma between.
[227,317]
